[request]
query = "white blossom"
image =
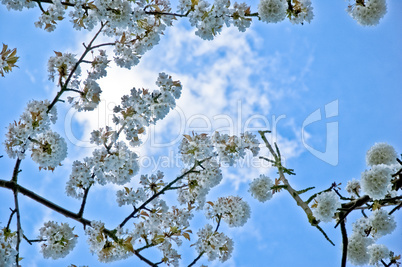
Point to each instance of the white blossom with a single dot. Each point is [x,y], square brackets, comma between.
[107,249]
[377,252]
[142,107]
[96,238]
[232,148]
[99,65]
[326,205]
[239,12]
[214,244]
[302,11]
[382,223]
[128,196]
[60,240]
[260,188]
[82,18]
[18,4]
[272,10]
[89,97]
[153,182]
[62,65]
[357,249]
[8,242]
[48,150]
[54,13]
[197,147]
[163,226]
[353,187]
[116,165]
[375,181]
[194,187]
[368,12]
[381,153]
[233,210]
[362,226]
[80,179]
[33,121]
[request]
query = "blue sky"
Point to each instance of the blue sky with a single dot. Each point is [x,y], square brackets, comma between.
[275,73]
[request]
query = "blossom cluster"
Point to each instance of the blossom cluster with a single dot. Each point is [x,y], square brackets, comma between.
[67,68]
[194,187]
[326,204]
[273,11]
[158,226]
[377,181]
[362,248]
[32,132]
[117,164]
[209,20]
[59,240]
[114,161]
[80,179]
[214,244]
[105,247]
[378,224]
[260,188]
[8,242]
[377,184]
[227,149]
[368,12]
[163,228]
[142,107]
[233,210]
[207,153]
[150,186]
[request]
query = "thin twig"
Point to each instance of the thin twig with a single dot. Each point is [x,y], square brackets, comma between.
[350,206]
[9,219]
[150,263]
[40,6]
[30,241]
[395,209]
[325,234]
[162,191]
[196,259]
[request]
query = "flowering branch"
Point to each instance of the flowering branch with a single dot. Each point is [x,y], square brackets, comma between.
[63,86]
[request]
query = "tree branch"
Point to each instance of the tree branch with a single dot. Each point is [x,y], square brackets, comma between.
[84,200]
[344,243]
[196,259]
[11,217]
[16,209]
[64,86]
[350,206]
[16,187]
